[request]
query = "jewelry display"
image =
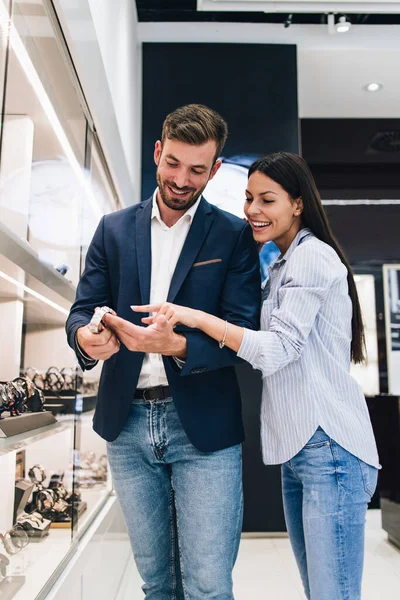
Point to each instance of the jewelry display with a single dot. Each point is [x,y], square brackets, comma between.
[45,501]
[54,502]
[14,540]
[90,471]
[34,525]
[19,396]
[37,475]
[4,562]
[54,380]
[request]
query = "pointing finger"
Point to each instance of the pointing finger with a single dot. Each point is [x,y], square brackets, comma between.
[147,308]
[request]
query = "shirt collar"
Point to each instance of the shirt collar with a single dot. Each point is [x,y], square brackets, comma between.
[299,237]
[155,213]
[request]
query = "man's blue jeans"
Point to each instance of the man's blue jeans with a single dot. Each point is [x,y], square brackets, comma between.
[183,508]
[326,491]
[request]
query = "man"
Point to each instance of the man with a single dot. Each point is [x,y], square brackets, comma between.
[169,402]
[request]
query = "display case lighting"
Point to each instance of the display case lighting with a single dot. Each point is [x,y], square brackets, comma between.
[27,66]
[33,293]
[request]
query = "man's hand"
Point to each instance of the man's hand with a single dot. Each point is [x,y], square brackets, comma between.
[99,346]
[159,338]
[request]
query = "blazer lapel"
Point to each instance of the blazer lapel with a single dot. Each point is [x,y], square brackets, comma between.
[143,248]
[198,231]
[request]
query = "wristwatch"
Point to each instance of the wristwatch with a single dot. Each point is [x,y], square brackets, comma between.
[37,474]
[97,317]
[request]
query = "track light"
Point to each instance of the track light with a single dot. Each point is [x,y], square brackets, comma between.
[288,21]
[343,25]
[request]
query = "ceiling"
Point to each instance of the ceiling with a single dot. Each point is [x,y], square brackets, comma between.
[333,70]
[186,10]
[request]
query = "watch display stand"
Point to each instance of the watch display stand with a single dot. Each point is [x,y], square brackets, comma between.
[23,490]
[38,532]
[10,426]
[80,508]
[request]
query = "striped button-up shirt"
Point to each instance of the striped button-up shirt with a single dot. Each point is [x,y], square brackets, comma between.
[303,352]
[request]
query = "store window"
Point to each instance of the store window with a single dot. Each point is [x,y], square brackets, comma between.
[54,188]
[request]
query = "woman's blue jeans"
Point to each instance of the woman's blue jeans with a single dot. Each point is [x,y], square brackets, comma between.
[183,508]
[326,491]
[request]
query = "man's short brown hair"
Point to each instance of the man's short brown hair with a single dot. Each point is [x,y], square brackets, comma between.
[196,124]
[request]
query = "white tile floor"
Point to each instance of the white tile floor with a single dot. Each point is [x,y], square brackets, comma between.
[266,570]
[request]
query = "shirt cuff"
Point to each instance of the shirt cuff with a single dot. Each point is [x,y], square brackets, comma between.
[179,362]
[88,359]
[249,347]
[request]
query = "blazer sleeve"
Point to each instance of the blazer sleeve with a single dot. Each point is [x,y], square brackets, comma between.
[240,304]
[93,290]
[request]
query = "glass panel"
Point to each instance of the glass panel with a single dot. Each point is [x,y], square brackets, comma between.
[102,190]
[53,469]
[43,183]
[368,375]
[92,474]
[4,18]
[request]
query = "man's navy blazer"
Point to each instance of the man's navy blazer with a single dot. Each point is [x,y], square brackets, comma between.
[117,274]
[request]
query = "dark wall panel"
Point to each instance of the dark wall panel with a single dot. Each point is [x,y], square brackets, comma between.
[253,86]
[369,234]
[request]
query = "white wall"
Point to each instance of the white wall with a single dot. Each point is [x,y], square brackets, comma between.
[116,28]
[102,39]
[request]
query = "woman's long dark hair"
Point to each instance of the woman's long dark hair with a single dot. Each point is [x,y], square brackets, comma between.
[292,173]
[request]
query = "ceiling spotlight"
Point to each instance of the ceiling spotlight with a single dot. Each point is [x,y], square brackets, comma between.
[343,25]
[373,87]
[288,21]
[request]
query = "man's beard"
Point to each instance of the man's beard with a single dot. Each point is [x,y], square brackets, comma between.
[176,203]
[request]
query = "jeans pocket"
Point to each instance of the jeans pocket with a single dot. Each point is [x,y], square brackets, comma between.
[318,444]
[369,476]
[319,439]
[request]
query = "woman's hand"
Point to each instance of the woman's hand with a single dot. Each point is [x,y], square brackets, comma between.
[172,312]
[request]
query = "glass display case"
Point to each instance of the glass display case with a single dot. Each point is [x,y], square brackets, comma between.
[54,187]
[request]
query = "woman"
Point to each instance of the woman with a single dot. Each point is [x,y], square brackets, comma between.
[314,419]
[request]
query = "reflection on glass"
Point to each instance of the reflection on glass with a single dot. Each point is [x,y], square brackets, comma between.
[42,170]
[368,375]
[227,191]
[392,316]
[4,11]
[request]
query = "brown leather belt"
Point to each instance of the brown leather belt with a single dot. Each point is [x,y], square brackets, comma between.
[161,392]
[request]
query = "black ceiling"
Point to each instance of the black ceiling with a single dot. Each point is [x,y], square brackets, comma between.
[185,10]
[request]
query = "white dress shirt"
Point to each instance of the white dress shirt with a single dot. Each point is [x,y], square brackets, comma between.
[166,247]
[303,352]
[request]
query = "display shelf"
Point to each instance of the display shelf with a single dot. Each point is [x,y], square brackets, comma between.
[23,255]
[39,561]
[23,440]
